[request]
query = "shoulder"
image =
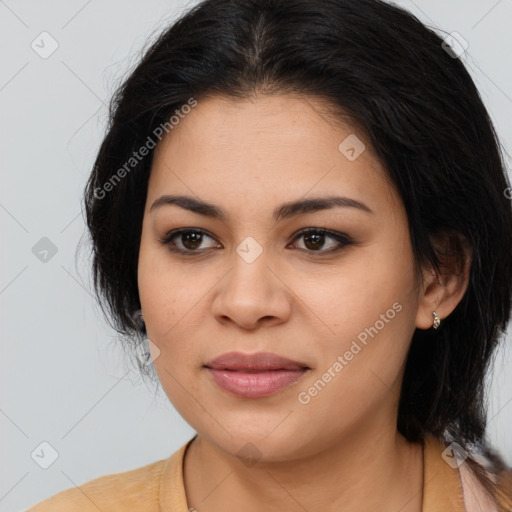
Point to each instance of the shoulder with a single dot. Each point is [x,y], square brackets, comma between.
[481,486]
[504,490]
[494,496]
[113,492]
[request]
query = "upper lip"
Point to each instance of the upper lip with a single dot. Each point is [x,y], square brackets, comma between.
[257,361]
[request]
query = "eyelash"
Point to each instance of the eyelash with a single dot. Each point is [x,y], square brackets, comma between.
[343,239]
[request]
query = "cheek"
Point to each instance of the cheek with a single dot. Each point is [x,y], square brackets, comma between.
[369,308]
[165,298]
[355,294]
[173,302]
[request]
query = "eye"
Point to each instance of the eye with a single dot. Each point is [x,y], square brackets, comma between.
[187,240]
[316,238]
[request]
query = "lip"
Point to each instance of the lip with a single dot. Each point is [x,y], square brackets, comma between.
[238,361]
[255,375]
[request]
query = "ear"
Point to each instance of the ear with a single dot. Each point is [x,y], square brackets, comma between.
[441,292]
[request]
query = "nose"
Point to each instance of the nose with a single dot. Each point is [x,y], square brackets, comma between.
[252,294]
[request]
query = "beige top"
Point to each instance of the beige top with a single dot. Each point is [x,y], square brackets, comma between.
[159,487]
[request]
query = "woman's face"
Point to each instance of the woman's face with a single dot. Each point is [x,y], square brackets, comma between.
[250,282]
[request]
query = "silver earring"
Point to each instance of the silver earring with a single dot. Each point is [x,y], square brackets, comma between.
[437,320]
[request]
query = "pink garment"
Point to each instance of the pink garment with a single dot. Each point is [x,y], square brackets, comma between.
[476,499]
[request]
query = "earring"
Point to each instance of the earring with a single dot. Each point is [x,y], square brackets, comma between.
[437,320]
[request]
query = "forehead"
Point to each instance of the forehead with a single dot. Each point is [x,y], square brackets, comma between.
[264,147]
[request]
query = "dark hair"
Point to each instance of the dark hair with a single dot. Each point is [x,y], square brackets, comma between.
[388,74]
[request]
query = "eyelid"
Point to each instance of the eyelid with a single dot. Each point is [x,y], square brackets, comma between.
[339,237]
[167,237]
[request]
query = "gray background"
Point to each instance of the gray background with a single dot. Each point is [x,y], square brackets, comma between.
[63,378]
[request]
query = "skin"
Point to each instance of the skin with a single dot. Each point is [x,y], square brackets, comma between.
[342,449]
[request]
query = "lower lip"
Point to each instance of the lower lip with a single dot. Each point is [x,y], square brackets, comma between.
[255,384]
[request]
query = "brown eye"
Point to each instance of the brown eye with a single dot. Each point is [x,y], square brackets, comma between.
[320,241]
[191,239]
[186,240]
[315,240]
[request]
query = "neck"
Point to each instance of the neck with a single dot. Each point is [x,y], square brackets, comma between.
[363,471]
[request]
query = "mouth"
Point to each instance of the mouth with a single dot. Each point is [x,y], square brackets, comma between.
[255,384]
[255,375]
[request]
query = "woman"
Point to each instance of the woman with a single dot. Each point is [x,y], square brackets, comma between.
[302,208]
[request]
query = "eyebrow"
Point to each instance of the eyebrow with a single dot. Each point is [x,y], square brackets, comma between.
[285,211]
